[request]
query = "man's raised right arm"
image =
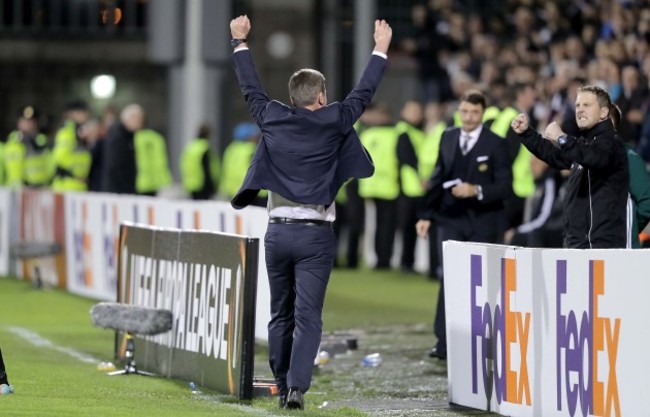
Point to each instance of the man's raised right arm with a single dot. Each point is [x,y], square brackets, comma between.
[382,36]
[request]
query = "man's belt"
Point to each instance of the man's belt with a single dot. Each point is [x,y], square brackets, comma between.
[306,222]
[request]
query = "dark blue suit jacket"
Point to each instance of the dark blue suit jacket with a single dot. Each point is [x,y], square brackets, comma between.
[488,166]
[305,156]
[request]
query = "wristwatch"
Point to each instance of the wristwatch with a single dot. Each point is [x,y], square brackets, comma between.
[236,42]
[562,139]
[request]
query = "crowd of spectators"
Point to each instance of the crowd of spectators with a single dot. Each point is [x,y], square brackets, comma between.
[554,45]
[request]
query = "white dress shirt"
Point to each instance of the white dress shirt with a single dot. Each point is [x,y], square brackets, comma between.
[473,138]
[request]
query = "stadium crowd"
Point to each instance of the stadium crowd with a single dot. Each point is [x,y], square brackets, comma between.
[528,57]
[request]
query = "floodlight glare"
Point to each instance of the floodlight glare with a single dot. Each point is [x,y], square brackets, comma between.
[280,45]
[103,86]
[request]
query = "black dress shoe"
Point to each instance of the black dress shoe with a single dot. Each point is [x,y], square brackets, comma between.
[282,399]
[407,270]
[437,353]
[295,400]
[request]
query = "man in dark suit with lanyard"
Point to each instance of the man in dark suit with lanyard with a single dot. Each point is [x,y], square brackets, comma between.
[307,151]
[465,194]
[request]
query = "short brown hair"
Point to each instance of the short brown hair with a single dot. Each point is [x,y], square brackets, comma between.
[305,85]
[474,97]
[601,95]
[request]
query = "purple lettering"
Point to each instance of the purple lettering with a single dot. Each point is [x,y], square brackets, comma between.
[477,331]
[499,357]
[572,343]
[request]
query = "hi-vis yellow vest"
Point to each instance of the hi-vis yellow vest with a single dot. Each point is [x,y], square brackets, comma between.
[430,149]
[65,142]
[410,177]
[523,180]
[192,174]
[236,159]
[65,145]
[381,143]
[27,166]
[76,165]
[67,135]
[14,160]
[151,162]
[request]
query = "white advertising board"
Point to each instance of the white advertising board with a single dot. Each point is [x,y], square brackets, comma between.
[93,221]
[547,332]
[7,210]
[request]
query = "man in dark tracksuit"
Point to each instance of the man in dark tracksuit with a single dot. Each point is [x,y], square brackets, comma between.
[306,153]
[597,189]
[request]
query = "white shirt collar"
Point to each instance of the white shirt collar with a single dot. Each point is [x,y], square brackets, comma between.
[473,134]
[473,137]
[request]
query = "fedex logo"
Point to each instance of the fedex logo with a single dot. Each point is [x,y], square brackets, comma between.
[592,336]
[502,327]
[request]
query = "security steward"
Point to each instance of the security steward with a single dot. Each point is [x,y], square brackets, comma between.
[71,155]
[72,167]
[200,167]
[27,153]
[236,158]
[152,165]
[409,148]
[383,188]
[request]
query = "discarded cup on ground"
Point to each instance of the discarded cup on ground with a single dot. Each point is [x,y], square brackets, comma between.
[194,389]
[105,366]
[322,358]
[373,360]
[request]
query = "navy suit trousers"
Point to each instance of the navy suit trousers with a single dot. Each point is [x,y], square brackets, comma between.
[299,260]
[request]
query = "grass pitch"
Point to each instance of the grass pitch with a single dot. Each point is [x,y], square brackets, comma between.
[51,351]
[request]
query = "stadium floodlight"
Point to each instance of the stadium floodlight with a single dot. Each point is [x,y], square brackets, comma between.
[103,86]
[280,45]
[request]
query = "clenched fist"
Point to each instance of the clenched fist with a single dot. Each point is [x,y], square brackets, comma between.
[552,132]
[520,123]
[240,27]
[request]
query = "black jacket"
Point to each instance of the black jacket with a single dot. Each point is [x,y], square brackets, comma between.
[597,189]
[119,161]
[488,167]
